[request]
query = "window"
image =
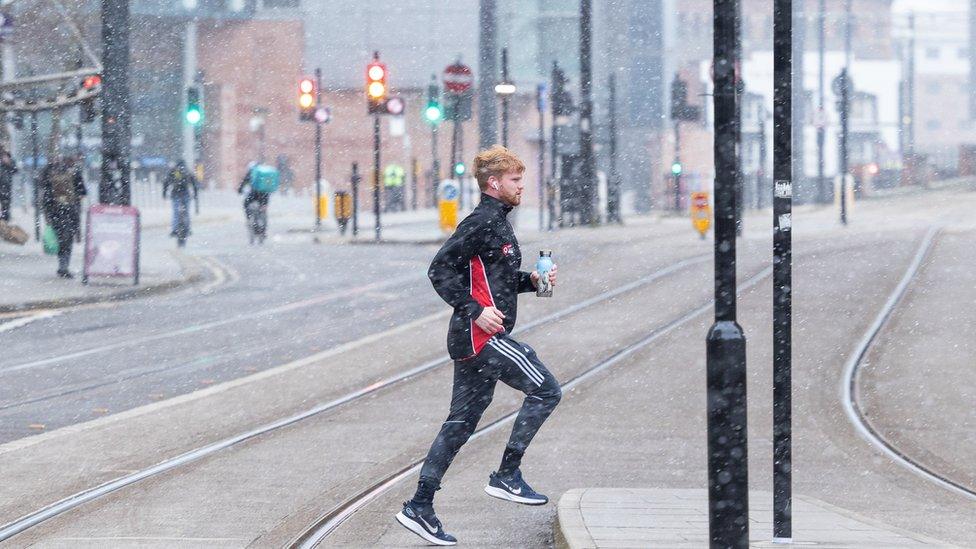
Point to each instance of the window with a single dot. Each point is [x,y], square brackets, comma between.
[932,53]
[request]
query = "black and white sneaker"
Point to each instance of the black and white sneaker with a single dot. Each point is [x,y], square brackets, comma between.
[513,488]
[423,522]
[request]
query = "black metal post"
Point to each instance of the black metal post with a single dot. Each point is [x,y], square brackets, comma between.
[821,112]
[910,85]
[844,88]
[505,98]
[554,173]
[613,183]
[354,180]
[35,174]
[740,89]
[540,104]
[116,107]
[318,152]
[588,160]
[782,270]
[376,174]
[413,183]
[677,162]
[761,188]
[435,165]
[798,62]
[487,74]
[728,473]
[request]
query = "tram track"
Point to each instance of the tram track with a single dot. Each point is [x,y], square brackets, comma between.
[82,497]
[850,388]
[335,517]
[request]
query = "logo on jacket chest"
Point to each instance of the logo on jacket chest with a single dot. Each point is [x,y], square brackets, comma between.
[508,249]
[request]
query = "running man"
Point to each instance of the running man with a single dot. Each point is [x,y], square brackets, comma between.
[477,273]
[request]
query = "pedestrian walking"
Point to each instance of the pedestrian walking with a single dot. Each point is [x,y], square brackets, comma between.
[477,272]
[7,170]
[393,178]
[62,187]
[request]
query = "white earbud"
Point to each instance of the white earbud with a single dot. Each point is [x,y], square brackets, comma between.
[494,186]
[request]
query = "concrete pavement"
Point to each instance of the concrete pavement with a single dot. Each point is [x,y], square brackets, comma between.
[646,517]
[639,424]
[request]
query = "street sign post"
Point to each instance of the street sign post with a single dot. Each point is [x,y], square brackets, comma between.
[448,195]
[701,213]
[458,78]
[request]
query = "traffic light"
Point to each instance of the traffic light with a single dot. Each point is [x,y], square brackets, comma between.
[680,109]
[459,169]
[307,95]
[562,100]
[376,89]
[87,106]
[433,112]
[679,96]
[676,168]
[194,106]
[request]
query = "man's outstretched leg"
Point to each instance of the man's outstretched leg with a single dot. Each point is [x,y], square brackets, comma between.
[523,371]
[472,394]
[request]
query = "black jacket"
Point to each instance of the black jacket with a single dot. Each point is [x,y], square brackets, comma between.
[479,267]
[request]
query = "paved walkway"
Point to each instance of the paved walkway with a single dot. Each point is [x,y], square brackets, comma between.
[593,518]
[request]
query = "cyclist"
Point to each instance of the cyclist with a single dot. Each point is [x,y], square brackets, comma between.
[262,180]
[178,184]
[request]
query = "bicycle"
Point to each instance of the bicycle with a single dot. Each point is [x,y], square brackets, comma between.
[257,222]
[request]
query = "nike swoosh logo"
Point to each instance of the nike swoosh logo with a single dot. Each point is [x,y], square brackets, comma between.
[426,525]
[516,491]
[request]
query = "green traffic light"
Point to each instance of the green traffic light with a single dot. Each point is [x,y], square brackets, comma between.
[194,116]
[676,168]
[433,113]
[459,168]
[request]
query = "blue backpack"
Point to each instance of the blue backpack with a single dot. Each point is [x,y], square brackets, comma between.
[264,178]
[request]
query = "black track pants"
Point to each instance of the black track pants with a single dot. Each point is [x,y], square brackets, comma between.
[516,365]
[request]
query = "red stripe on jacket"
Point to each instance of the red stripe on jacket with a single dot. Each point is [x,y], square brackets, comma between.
[481,292]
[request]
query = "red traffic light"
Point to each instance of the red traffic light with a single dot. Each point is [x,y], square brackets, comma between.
[91,81]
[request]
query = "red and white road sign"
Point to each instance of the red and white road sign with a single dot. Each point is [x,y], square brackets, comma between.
[458,78]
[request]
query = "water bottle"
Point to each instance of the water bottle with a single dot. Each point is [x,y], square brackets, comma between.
[543,266]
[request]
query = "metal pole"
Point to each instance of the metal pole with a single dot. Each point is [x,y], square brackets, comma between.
[782,270]
[761,169]
[822,114]
[488,72]
[540,91]
[740,88]
[844,99]
[116,114]
[355,198]
[35,175]
[972,59]
[376,174]
[677,161]
[318,152]
[505,98]
[799,107]
[613,186]
[728,474]
[553,156]
[588,167]
[189,79]
[911,87]
[413,183]
[435,165]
